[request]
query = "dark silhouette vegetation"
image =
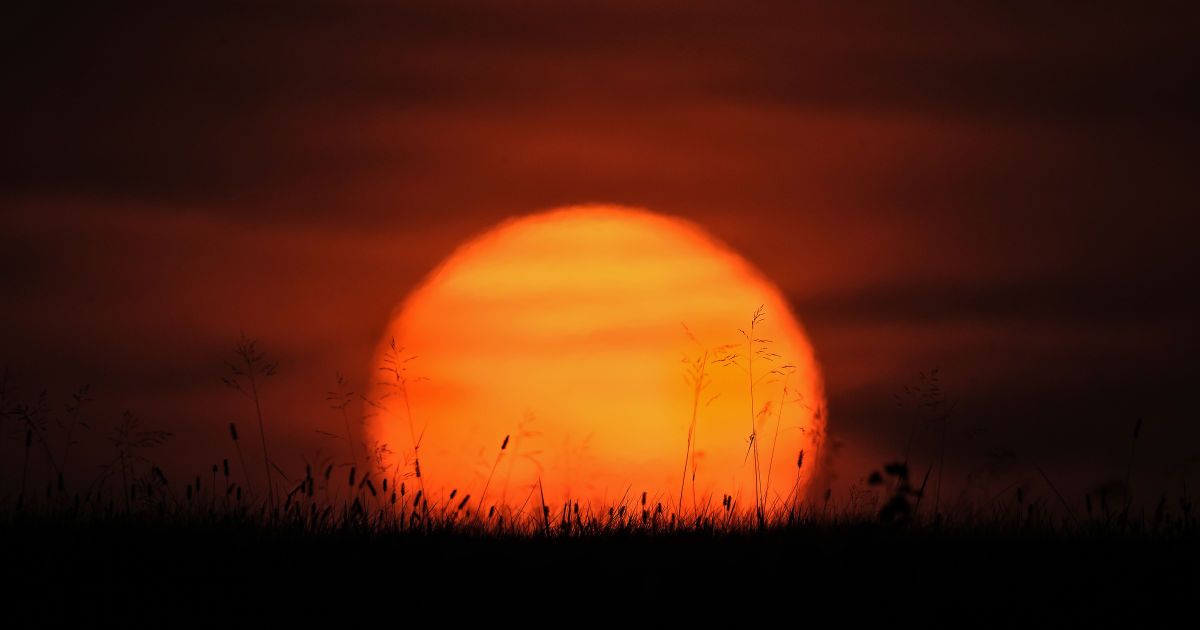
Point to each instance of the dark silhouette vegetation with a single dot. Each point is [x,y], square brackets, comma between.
[130,542]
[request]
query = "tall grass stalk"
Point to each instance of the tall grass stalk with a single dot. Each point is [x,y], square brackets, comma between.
[753,416]
[339,399]
[33,418]
[74,409]
[503,445]
[245,376]
[696,376]
[756,348]
[1137,431]
[786,372]
[395,363]
[233,433]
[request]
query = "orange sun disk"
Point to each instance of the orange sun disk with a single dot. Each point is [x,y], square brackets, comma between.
[573,338]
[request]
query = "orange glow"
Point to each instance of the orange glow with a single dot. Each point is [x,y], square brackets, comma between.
[565,330]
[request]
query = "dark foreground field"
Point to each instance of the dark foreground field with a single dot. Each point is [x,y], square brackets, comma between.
[170,573]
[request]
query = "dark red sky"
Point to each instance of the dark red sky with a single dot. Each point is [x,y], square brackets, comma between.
[1009,194]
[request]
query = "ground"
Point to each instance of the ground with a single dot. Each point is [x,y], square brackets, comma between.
[166,574]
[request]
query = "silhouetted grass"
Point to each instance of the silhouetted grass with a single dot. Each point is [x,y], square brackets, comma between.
[132,525]
[375,498]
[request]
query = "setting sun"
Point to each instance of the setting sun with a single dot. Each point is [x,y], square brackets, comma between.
[566,347]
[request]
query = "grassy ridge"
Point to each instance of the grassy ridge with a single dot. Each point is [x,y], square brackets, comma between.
[355,540]
[224,568]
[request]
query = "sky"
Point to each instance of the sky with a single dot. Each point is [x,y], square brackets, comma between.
[1006,194]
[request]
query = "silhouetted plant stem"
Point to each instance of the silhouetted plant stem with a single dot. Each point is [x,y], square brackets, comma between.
[340,399]
[124,480]
[396,364]
[245,379]
[794,495]
[775,440]
[3,397]
[25,466]
[503,445]
[522,431]
[545,510]
[262,432]
[937,498]
[755,348]
[753,430]
[74,408]
[1058,494]
[697,376]
[241,456]
[1137,430]
[416,443]
[921,492]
